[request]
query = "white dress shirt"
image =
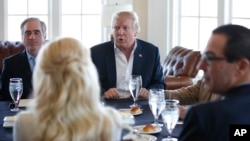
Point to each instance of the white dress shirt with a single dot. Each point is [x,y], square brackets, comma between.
[123,71]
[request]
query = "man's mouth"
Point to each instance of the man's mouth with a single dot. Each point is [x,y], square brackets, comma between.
[32,44]
[120,39]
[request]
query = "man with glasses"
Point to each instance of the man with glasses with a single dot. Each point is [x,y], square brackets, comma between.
[226,66]
[21,65]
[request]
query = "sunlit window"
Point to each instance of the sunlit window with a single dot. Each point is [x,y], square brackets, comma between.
[240,14]
[18,10]
[197,19]
[80,19]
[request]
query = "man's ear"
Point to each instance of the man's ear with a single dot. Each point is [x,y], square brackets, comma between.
[243,66]
[136,33]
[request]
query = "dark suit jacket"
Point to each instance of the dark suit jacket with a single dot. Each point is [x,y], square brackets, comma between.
[211,121]
[146,63]
[16,66]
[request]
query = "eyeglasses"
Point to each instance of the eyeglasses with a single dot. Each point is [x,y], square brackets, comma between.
[209,57]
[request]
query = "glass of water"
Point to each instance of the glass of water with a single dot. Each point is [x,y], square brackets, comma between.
[135,84]
[156,103]
[170,117]
[16,91]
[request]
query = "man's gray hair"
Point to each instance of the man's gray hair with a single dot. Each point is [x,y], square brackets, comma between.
[33,19]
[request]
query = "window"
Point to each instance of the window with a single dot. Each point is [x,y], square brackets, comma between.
[197,18]
[240,14]
[21,9]
[79,18]
[82,21]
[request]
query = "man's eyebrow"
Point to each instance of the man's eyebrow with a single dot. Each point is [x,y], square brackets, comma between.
[209,53]
[33,30]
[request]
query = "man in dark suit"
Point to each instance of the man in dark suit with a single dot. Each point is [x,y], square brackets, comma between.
[118,59]
[226,66]
[21,65]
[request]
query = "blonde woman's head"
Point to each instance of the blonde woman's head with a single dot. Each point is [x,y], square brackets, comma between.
[65,74]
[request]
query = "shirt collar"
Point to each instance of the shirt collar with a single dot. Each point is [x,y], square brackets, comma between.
[29,55]
[135,46]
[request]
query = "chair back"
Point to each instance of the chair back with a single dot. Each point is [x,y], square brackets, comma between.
[8,48]
[181,62]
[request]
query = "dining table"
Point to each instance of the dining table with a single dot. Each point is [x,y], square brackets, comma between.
[144,118]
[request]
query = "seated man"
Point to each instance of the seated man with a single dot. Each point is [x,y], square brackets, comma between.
[226,66]
[191,95]
[124,56]
[21,65]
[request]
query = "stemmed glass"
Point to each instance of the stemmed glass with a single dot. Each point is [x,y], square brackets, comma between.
[170,116]
[16,91]
[156,103]
[135,84]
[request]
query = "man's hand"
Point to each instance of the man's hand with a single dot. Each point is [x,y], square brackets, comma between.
[183,110]
[112,93]
[143,93]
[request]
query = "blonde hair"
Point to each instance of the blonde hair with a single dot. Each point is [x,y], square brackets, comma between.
[67,95]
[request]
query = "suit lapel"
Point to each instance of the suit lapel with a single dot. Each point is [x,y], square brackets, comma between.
[25,62]
[25,67]
[111,66]
[138,59]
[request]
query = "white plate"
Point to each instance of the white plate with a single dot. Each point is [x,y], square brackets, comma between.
[8,124]
[127,118]
[125,114]
[128,111]
[9,118]
[140,129]
[9,121]
[144,137]
[180,122]
[24,102]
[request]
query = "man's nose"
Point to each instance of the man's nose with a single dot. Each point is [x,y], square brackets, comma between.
[202,65]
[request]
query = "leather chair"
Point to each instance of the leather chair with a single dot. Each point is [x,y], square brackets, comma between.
[8,48]
[180,67]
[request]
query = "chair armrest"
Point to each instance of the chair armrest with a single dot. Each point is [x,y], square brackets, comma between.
[174,82]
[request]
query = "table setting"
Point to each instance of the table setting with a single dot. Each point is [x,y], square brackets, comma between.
[145,116]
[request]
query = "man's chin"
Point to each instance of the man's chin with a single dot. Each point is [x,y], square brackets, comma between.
[207,86]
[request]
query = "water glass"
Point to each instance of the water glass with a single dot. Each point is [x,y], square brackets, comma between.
[16,91]
[135,84]
[156,103]
[170,117]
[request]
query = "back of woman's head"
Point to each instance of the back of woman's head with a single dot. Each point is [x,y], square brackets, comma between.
[65,87]
[65,73]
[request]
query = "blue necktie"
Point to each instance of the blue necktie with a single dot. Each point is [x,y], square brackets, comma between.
[33,63]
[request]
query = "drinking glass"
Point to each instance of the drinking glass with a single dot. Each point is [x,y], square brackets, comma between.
[167,94]
[16,91]
[123,89]
[156,103]
[170,116]
[135,84]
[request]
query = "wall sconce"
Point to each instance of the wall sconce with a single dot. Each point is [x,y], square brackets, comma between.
[107,12]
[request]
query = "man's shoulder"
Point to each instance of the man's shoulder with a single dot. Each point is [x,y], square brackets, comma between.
[145,43]
[15,57]
[103,45]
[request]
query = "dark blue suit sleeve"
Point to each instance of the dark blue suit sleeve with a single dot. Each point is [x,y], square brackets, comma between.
[192,130]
